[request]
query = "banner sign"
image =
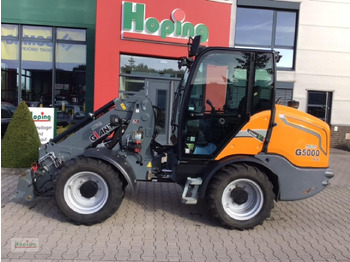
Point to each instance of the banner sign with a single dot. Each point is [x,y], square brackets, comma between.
[135,25]
[37,45]
[44,119]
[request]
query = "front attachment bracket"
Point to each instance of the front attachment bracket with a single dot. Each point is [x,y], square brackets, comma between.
[25,188]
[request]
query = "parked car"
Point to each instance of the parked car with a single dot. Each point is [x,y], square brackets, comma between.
[70,115]
[7,111]
[33,103]
[79,115]
[70,109]
[63,118]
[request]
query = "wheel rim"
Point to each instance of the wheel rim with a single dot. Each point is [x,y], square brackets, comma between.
[86,192]
[242,199]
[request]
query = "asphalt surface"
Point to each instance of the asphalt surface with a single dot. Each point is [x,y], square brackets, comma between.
[154,225]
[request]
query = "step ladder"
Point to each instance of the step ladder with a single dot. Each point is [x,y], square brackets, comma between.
[190,193]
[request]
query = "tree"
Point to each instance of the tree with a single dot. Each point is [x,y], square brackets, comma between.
[20,145]
[131,62]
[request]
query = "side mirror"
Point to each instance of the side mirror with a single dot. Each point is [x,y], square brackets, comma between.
[278,56]
[194,45]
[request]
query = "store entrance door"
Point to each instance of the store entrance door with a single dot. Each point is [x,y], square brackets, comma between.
[161,93]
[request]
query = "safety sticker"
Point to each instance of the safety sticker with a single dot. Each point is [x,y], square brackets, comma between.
[256,135]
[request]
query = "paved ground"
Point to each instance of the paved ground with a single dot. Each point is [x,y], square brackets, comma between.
[155,226]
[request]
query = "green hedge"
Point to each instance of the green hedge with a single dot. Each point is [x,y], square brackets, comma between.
[20,145]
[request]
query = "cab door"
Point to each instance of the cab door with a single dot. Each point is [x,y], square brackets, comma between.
[221,95]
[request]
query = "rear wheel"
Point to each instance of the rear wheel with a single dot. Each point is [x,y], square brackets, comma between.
[240,196]
[88,191]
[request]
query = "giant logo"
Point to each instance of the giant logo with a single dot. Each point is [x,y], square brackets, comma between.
[101,132]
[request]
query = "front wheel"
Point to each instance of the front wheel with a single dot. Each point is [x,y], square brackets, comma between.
[240,196]
[88,191]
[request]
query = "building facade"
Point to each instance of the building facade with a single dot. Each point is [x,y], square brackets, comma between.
[319,73]
[48,52]
[135,44]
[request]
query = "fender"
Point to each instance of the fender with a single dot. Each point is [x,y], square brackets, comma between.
[117,161]
[230,160]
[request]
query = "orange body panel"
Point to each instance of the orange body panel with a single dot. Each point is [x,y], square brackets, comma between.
[302,139]
[244,142]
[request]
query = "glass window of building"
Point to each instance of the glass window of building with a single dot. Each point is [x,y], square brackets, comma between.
[135,70]
[159,76]
[36,65]
[284,92]
[268,28]
[319,104]
[44,66]
[70,87]
[9,63]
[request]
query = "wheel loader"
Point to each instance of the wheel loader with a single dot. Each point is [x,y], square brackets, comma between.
[232,145]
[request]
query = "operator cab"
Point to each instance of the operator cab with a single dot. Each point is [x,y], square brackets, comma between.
[221,90]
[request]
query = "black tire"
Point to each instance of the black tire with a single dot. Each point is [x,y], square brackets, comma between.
[88,191]
[240,196]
